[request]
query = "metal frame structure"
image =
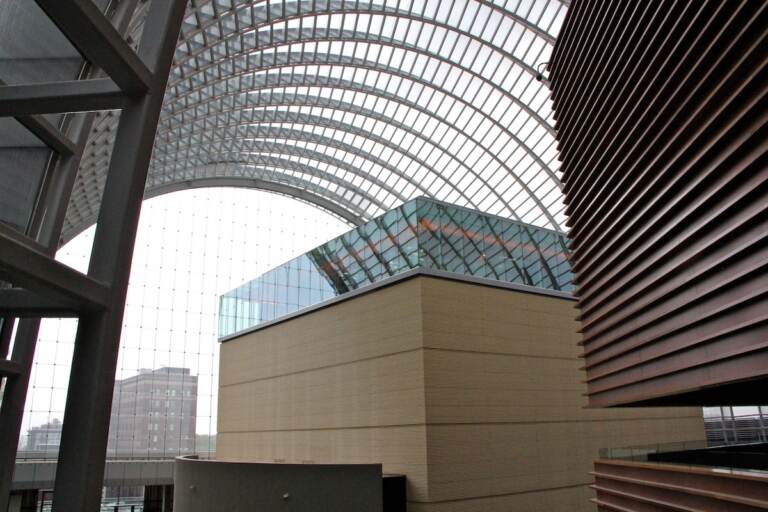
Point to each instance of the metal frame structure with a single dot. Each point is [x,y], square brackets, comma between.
[134,82]
[365,104]
[353,106]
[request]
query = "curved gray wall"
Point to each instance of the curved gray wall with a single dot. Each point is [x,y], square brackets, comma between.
[219,486]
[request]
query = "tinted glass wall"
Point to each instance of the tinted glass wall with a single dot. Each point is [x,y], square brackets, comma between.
[421,233]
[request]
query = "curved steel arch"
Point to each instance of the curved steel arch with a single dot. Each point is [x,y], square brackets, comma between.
[544,34]
[320,121]
[222,45]
[291,134]
[272,147]
[265,151]
[338,36]
[353,86]
[359,63]
[267,162]
[301,194]
[249,171]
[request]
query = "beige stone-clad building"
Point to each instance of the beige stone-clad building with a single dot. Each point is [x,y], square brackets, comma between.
[472,391]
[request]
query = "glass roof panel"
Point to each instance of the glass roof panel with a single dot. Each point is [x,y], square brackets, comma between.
[364,104]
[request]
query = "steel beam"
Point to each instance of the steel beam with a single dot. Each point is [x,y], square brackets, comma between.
[53,200]
[92,33]
[82,455]
[57,97]
[21,303]
[25,266]
[48,133]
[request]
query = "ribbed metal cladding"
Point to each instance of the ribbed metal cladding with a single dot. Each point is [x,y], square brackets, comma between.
[661,123]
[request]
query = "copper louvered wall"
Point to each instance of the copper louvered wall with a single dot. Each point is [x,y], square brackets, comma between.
[636,486]
[661,122]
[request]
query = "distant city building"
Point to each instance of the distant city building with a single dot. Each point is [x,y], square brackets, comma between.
[154,414]
[733,425]
[45,438]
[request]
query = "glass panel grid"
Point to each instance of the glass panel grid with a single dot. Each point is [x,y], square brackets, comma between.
[419,233]
[364,104]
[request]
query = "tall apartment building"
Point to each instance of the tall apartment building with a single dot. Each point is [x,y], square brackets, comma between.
[154,414]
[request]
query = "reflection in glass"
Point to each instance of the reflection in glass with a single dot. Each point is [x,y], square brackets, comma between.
[422,233]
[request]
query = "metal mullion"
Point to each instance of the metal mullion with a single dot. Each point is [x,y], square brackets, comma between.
[397,245]
[398,12]
[355,256]
[468,33]
[390,41]
[366,75]
[503,247]
[376,253]
[485,25]
[471,241]
[354,97]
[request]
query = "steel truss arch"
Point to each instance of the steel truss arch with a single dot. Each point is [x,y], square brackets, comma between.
[268,132]
[301,194]
[296,59]
[305,192]
[321,121]
[368,90]
[235,57]
[247,170]
[318,10]
[339,35]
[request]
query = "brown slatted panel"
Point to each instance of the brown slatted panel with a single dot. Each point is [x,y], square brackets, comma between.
[637,487]
[662,117]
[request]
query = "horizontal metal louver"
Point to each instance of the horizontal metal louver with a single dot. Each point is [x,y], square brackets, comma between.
[660,114]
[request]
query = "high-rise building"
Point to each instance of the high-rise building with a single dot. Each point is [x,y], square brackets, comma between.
[44,439]
[154,414]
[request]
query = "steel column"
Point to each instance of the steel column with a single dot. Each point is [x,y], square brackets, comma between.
[12,408]
[82,454]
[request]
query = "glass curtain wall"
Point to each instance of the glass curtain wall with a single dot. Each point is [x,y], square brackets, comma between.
[192,246]
[421,233]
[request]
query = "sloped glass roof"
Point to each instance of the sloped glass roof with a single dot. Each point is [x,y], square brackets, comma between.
[356,107]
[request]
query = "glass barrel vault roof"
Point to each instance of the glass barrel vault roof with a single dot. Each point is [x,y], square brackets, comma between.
[356,107]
